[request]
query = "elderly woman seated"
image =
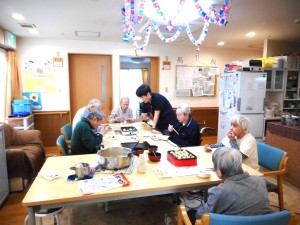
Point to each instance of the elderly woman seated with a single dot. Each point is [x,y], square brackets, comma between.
[239,138]
[239,194]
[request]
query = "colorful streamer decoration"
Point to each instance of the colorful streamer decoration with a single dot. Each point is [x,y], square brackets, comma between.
[131,18]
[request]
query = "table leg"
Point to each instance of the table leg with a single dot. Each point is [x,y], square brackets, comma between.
[31,216]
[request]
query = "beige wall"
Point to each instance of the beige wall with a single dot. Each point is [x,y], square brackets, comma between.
[277,48]
[46,49]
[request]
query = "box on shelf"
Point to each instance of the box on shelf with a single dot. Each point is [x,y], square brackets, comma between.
[23,107]
[22,101]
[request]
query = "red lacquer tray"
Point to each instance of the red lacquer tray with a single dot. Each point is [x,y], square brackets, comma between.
[182,158]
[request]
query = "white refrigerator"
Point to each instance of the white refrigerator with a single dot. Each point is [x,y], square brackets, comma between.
[242,92]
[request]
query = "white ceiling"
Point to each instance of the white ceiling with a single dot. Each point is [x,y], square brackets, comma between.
[59,19]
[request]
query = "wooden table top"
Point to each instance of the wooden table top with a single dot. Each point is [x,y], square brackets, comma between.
[59,190]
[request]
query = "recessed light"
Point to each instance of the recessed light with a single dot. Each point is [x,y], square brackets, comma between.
[18,16]
[220,43]
[251,34]
[33,31]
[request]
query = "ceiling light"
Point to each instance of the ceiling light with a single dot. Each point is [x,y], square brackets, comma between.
[220,43]
[18,16]
[173,16]
[33,31]
[251,34]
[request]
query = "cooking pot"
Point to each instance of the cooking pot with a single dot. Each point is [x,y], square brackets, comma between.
[81,169]
[114,157]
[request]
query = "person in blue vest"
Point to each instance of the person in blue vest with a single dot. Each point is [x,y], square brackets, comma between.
[185,133]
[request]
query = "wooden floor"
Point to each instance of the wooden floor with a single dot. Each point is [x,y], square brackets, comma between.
[13,212]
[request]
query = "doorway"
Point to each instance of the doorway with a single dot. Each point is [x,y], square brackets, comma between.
[135,71]
[90,77]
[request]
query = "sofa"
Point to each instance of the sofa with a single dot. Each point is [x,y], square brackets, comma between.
[25,155]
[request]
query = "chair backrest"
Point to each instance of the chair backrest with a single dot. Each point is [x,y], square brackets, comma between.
[61,143]
[270,157]
[66,130]
[282,218]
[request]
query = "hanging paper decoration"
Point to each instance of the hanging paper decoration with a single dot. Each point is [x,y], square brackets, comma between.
[130,19]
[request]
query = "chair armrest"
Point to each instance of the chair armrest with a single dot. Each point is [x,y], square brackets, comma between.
[204,220]
[183,217]
[274,173]
[23,137]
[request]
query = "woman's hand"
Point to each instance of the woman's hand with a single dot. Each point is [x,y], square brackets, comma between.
[207,148]
[230,135]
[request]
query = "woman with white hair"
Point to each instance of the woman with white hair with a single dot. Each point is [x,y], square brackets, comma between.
[240,193]
[240,139]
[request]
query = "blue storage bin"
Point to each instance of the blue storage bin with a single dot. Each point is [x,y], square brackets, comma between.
[22,101]
[19,108]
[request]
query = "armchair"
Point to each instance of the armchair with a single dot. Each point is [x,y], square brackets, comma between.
[25,155]
[66,131]
[275,161]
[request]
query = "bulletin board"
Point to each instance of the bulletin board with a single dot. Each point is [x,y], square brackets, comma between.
[195,81]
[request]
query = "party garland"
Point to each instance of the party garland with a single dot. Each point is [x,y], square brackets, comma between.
[130,19]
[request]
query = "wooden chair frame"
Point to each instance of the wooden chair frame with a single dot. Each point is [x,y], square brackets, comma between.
[205,220]
[279,174]
[67,139]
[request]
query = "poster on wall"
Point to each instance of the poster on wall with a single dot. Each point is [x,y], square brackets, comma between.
[35,98]
[199,80]
[39,76]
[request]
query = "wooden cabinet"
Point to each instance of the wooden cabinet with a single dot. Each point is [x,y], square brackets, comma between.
[49,123]
[4,191]
[21,123]
[207,116]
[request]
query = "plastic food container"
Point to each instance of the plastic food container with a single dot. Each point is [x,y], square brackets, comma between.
[182,158]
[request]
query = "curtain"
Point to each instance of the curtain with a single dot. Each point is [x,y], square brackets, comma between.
[13,87]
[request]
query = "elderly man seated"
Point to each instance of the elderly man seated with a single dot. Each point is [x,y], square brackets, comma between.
[121,113]
[84,139]
[186,132]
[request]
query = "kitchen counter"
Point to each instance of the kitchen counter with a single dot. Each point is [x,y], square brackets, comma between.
[286,138]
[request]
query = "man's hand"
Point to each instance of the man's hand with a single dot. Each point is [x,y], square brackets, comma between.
[154,131]
[170,128]
[129,120]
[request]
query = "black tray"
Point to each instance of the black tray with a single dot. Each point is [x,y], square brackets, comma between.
[128,129]
[144,145]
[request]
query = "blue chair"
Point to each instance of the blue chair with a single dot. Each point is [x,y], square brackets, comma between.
[283,218]
[63,147]
[275,161]
[66,131]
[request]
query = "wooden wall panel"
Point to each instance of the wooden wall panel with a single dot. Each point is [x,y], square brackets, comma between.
[208,117]
[49,123]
